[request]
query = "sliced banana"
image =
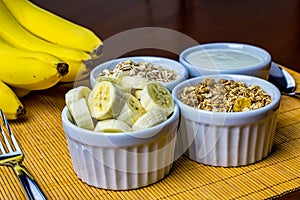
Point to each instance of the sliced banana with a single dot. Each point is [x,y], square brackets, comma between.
[131,111]
[115,81]
[124,89]
[76,94]
[81,114]
[137,93]
[112,126]
[155,116]
[108,78]
[133,82]
[105,100]
[155,94]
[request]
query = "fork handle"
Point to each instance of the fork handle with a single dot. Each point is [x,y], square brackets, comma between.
[32,189]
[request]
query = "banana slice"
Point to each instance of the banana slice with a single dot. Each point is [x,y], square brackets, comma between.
[112,126]
[155,94]
[76,94]
[155,116]
[105,100]
[124,89]
[137,93]
[115,81]
[134,82]
[131,111]
[81,114]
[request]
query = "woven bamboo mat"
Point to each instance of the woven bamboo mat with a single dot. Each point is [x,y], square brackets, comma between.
[46,155]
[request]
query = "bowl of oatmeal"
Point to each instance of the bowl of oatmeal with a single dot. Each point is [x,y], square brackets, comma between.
[166,71]
[226,120]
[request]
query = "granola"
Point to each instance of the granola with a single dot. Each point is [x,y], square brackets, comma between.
[224,96]
[146,70]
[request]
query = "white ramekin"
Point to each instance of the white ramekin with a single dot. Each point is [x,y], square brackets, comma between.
[260,70]
[122,161]
[227,139]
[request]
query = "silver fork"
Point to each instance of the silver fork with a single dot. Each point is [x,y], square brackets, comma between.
[11,155]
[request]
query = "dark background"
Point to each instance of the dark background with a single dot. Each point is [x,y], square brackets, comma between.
[271,24]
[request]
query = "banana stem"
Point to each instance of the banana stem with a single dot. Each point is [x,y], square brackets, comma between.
[89,64]
[20,111]
[98,51]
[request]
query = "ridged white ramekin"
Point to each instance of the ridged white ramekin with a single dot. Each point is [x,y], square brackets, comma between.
[227,139]
[122,161]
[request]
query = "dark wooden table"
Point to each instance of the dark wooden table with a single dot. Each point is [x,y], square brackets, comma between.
[271,24]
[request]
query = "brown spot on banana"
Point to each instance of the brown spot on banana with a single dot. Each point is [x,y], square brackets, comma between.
[62,68]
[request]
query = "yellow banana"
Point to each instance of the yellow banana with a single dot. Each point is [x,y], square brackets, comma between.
[20,92]
[29,70]
[15,34]
[45,24]
[9,103]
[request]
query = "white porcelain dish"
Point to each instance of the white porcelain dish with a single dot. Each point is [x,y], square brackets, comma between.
[226,58]
[122,161]
[163,62]
[227,139]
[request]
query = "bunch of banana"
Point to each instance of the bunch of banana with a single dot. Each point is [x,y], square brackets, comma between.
[29,70]
[116,111]
[38,49]
[70,35]
[23,71]
[28,26]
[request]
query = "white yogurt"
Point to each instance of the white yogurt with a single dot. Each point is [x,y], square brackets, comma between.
[223,59]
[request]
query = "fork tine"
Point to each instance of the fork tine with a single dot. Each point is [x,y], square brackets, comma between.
[4,120]
[3,126]
[1,145]
[2,132]
[5,141]
[12,137]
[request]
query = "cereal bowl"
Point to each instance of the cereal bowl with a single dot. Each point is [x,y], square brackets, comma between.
[227,139]
[122,161]
[226,58]
[164,63]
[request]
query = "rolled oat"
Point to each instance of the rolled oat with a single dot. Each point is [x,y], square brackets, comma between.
[146,70]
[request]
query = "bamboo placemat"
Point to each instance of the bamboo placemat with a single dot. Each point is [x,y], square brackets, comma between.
[42,138]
